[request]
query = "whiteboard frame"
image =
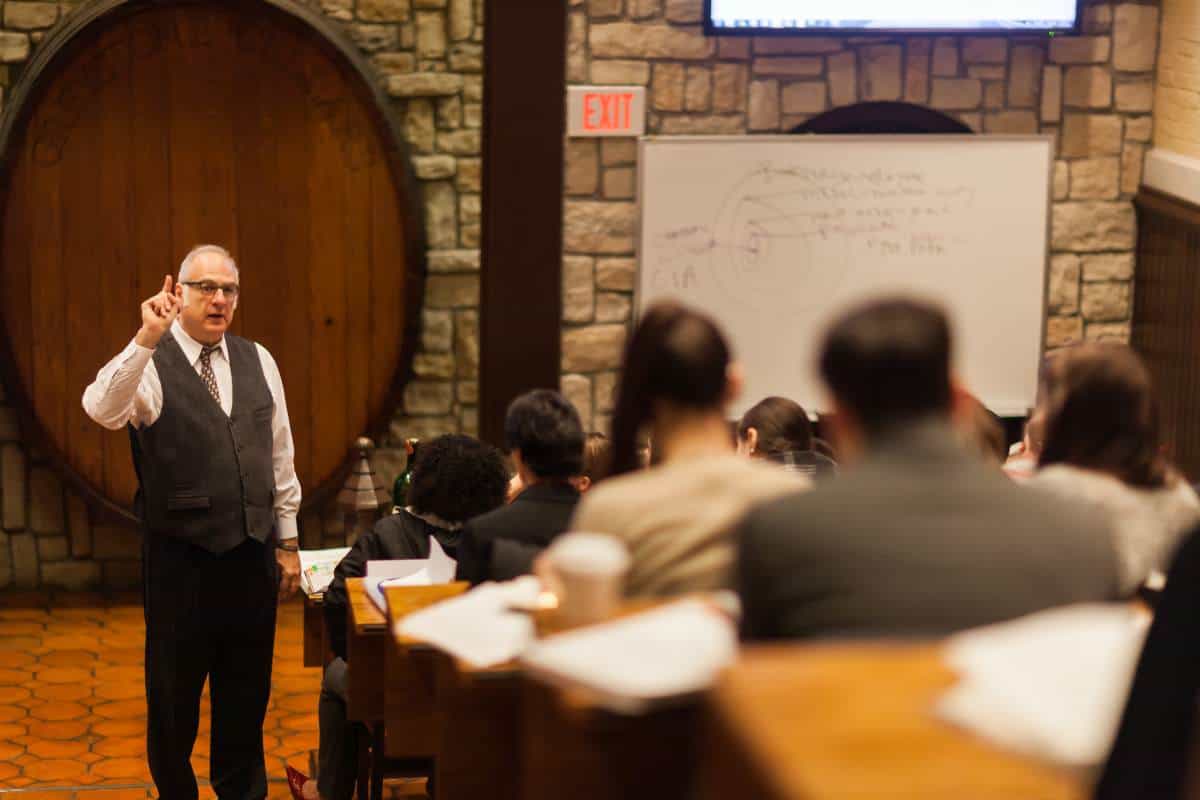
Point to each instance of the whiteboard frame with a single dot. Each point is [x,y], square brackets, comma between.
[1044,138]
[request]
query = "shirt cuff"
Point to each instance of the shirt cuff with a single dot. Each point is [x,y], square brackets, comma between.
[286,528]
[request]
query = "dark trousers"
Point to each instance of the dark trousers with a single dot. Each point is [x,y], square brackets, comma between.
[208,616]
[337,759]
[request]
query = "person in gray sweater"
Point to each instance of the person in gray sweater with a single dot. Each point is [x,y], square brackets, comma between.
[918,537]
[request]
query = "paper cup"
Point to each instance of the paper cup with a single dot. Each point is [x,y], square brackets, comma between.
[591,568]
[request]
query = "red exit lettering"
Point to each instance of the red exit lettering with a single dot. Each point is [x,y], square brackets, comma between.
[607,112]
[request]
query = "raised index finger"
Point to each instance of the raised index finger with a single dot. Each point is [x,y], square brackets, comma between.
[166,284]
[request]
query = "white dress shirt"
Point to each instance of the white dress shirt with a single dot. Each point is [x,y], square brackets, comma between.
[127,390]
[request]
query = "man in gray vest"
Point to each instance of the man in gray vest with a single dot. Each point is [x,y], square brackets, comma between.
[218,498]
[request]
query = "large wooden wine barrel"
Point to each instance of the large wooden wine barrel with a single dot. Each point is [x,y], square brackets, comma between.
[149,128]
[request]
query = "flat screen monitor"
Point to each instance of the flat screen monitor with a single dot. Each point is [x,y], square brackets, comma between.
[884,16]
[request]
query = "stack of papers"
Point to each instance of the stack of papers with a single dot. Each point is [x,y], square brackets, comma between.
[478,627]
[635,662]
[317,566]
[1052,684]
[438,568]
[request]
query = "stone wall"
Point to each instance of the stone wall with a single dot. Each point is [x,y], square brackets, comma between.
[1178,97]
[428,55]
[1094,92]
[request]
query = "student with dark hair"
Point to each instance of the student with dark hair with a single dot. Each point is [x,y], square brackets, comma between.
[1103,446]
[677,516]
[597,455]
[454,479]
[778,430]
[545,441]
[918,536]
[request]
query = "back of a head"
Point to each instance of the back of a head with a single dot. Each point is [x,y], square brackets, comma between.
[457,477]
[597,456]
[545,428]
[888,362]
[1101,414]
[782,426]
[676,355]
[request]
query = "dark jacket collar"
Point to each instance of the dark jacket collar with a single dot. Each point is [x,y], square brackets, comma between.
[548,492]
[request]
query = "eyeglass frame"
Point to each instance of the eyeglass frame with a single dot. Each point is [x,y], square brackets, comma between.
[230,290]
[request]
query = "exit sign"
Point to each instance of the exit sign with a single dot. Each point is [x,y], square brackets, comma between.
[606,110]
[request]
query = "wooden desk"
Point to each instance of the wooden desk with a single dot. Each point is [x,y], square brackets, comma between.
[365,653]
[316,642]
[816,722]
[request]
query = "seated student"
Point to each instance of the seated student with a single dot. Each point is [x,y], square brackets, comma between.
[454,479]
[1103,446]
[545,438]
[597,456]
[676,517]
[917,535]
[778,430]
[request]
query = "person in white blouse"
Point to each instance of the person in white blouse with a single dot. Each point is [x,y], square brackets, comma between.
[217,500]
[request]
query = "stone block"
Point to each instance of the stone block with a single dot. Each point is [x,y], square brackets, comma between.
[737,49]
[613,307]
[808,97]
[403,427]
[945,58]
[843,79]
[730,82]
[667,87]
[1090,135]
[578,391]
[465,57]
[684,10]
[1108,267]
[1093,226]
[1063,331]
[796,45]
[434,365]
[23,547]
[1025,76]
[599,227]
[649,40]
[29,16]
[468,392]
[644,9]
[593,348]
[987,72]
[605,384]
[788,66]
[616,274]
[433,168]
[583,166]
[466,343]
[1135,37]
[618,72]
[418,125]
[1052,90]
[1087,87]
[698,89]
[1080,49]
[1063,294]
[952,94]
[470,176]
[993,95]
[1132,161]
[52,548]
[441,215]
[1106,302]
[449,112]
[1098,18]
[577,54]
[972,119]
[461,143]
[12,487]
[578,288]
[473,88]
[1095,179]
[599,9]
[424,84]
[111,542]
[453,261]
[14,48]
[764,106]
[881,72]
[620,183]
[1135,96]
[1062,180]
[428,397]
[916,71]
[985,50]
[618,151]
[45,502]
[469,421]
[437,331]
[385,10]
[461,18]
[1115,332]
[73,575]
[79,526]
[451,291]
[374,38]
[336,9]
[1013,122]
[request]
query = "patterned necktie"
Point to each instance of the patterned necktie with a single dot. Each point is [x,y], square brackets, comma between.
[206,371]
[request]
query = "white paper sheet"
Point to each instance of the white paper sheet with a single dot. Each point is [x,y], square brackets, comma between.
[630,663]
[438,568]
[478,627]
[1052,684]
[317,566]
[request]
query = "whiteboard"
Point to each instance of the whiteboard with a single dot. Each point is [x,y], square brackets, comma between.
[774,236]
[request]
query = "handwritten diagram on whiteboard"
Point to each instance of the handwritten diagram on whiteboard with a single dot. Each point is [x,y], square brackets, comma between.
[775,235]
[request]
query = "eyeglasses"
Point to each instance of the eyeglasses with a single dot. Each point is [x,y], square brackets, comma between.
[209,288]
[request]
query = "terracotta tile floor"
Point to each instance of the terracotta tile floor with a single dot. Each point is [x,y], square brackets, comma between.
[73,710]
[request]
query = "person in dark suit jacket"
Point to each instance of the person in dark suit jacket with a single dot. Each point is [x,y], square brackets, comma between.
[918,536]
[454,479]
[545,438]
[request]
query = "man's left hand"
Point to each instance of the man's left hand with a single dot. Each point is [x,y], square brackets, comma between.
[289,572]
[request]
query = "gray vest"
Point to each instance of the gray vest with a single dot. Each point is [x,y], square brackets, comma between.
[204,477]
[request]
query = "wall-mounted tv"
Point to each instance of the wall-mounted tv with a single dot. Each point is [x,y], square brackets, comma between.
[889,16]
